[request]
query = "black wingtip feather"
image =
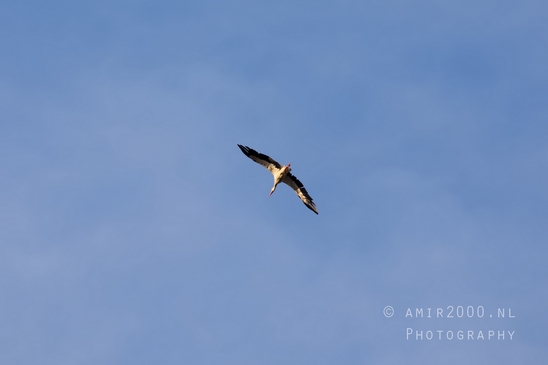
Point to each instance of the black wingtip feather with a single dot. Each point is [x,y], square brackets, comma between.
[244,149]
[312,207]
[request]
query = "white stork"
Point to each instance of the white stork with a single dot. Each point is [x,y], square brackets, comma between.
[281,174]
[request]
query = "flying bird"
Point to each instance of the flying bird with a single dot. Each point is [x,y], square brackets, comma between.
[281,174]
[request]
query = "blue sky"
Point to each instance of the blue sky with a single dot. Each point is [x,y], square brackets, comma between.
[134,231]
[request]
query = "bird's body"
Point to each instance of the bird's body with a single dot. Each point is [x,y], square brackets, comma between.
[281,174]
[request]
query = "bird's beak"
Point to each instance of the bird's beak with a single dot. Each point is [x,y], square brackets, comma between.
[270,193]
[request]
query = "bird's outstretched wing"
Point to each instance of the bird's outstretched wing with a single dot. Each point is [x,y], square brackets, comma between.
[268,162]
[298,186]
